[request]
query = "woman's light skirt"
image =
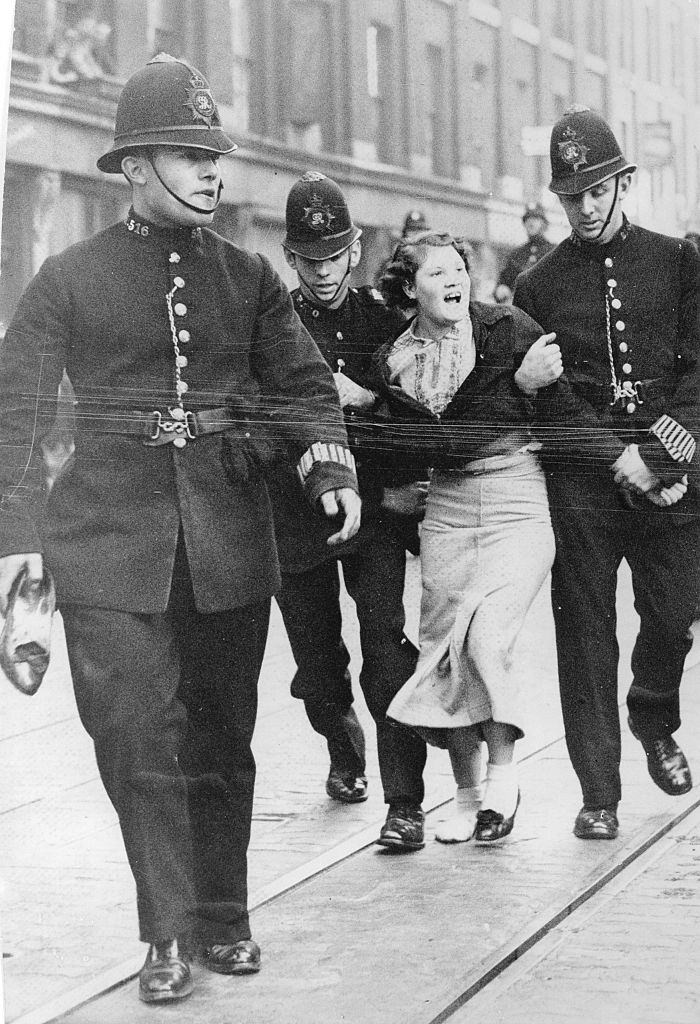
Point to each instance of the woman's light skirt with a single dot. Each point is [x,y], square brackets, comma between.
[486,549]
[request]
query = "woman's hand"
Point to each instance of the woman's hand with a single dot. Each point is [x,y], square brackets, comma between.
[541,365]
[351,393]
[407,500]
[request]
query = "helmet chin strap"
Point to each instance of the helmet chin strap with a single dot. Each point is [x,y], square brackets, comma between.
[183,202]
[326,302]
[610,211]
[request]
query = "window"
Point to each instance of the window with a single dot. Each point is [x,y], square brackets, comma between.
[595,28]
[310,103]
[167,26]
[676,31]
[379,89]
[241,64]
[563,25]
[437,141]
[626,35]
[652,49]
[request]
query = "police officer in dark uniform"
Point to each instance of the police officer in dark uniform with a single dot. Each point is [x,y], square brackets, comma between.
[159,532]
[624,304]
[323,246]
[535,223]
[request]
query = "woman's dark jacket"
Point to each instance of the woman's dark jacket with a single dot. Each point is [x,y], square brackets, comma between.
[487,407]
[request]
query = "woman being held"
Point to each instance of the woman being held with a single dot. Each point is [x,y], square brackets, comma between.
[461,385]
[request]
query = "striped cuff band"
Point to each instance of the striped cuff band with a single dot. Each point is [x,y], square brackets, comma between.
[322,452]
[677,441]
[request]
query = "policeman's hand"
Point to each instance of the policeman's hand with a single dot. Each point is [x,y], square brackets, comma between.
[10,566]
[351,393]
[347,501]
[631,471]
[408,500]
[541,365]
[667,496]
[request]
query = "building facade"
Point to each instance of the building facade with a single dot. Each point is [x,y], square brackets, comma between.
[439,105]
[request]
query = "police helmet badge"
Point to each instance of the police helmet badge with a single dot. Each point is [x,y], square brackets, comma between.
[200,100]
[573,152]
[317,215]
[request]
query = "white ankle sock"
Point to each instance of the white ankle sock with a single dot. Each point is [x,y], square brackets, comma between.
[501,792]
[459,826]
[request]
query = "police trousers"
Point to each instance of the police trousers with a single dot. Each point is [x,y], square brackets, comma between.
[170,702]
[594,531]
[374,577]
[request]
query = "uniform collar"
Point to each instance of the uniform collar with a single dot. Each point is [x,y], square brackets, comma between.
[153,234]
[301,302]
[593,251]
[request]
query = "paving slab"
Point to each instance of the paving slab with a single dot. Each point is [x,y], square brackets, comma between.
[628,956]
[387,939]
[68,914]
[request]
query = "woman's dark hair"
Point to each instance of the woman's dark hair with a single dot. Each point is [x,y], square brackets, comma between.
[408,256]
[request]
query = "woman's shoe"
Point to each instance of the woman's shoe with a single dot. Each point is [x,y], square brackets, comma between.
[490,825]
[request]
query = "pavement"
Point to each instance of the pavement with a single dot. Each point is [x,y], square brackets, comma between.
[355,936]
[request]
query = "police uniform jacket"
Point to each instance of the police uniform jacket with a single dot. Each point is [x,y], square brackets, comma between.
[487,415]
[347,338]
[523,257]
[626,317]
[226,334]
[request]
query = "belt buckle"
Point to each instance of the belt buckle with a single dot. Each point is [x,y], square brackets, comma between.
[627,391]
[180,425]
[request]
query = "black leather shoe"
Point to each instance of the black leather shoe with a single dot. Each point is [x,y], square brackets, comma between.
[165,975]
[666,762]
[242,957]
[490,825]
[596,823]
[347,787]
[404,828]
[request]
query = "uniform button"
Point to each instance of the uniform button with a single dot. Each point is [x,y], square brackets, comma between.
[623,346]
[620,325]
[179,442]
[177,413]
[180,308]
[182,387]
[181,361]
[608,261]
[179,282]
[183,336]
[631,407]
[627,368]
[615,303]
[174,257]
[339,335]
[611,282]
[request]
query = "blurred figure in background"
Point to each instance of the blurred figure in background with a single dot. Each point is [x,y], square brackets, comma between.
[535,223]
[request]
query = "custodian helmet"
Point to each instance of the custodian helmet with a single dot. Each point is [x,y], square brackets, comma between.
[167,103]
[414,222]
[583,152]
[535,210]
[318,222]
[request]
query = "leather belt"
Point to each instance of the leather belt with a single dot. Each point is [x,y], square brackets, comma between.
[176,425]
[599,394]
